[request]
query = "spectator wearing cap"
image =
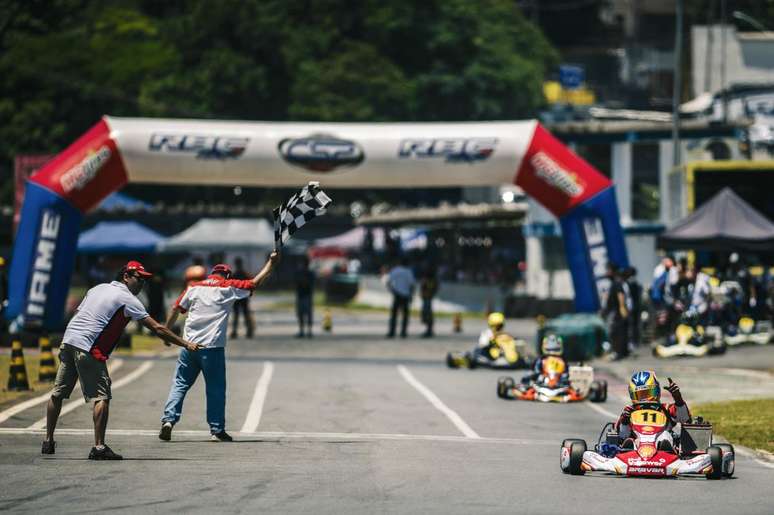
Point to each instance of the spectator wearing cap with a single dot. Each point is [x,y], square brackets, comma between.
[90,337]
[207,304]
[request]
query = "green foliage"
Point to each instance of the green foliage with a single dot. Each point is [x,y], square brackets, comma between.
[66,63]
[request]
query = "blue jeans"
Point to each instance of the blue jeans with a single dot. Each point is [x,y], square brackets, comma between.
[212,363]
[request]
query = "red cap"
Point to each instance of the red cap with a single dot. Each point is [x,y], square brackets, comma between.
[221,268]
[136,266]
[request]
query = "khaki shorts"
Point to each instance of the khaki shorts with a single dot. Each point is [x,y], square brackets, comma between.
[75,364]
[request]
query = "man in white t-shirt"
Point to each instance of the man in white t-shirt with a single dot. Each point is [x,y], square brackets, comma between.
[208,304]
[90,337]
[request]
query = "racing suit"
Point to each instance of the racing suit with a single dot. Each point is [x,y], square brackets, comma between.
[676,412]
[485,341]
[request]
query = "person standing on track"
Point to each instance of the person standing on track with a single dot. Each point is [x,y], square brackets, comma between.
[208,304]
[90,337]
[242,306]
[401,283]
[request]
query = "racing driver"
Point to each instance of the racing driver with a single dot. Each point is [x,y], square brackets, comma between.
[644,388]
[552,345]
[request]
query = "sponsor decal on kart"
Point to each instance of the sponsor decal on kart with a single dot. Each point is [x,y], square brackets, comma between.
[565,458]
[636,462]
[647,470]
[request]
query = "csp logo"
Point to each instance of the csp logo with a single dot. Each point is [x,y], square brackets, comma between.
[453,150]
[321,152]
[204,147]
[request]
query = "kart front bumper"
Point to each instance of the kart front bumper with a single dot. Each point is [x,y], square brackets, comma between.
[593,461]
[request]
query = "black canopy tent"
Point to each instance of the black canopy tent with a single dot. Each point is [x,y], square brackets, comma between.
[724,223]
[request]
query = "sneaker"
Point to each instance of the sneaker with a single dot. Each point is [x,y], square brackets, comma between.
[48,447]
[221,437]
[166,431]
[106,453]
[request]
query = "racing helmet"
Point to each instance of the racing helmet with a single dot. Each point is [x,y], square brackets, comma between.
[495,320]
[552,345]
[644,387]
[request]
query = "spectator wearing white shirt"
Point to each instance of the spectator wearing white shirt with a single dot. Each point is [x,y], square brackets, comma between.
[90,338]
[401,282]
[208,304]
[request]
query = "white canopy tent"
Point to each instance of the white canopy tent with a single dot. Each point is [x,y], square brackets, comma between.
[222,234]
[353,239]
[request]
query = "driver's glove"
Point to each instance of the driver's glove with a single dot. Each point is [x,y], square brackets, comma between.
[625,416]
[676,395]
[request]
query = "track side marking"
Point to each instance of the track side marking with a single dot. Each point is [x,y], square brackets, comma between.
[437,403]
[72,405]
[259,397]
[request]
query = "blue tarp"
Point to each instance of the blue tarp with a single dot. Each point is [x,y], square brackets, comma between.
[118,238]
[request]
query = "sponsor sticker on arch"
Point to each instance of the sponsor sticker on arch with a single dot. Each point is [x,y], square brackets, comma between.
[555,176]
[321,152]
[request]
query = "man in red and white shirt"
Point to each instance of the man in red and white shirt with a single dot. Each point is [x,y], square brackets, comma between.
[207,304]
[90,337]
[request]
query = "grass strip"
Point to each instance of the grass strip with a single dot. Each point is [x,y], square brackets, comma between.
[32,362]
[749,423]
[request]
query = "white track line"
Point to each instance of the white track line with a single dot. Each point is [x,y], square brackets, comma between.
[256,405]
[282,435]
[70,406]
[22,406]
[437,403]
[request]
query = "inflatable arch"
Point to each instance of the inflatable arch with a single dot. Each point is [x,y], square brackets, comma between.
[339,155]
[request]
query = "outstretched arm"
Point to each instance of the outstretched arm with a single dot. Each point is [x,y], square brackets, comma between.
[266,270]
[167,335]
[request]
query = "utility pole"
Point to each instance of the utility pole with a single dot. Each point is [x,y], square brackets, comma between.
[723,59]
[677,86]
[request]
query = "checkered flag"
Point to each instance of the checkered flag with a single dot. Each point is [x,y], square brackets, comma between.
[311,201]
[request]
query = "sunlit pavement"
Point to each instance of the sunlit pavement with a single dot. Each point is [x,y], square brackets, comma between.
[349,422]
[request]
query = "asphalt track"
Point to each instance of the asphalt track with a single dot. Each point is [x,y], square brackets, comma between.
[344,423]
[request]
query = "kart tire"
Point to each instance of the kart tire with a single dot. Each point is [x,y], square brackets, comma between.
[716,458]
[564,456]
[503,385]
[577,448]
[601,391]
[450,360]
[728,462]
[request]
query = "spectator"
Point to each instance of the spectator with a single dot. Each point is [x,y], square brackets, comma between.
[428,288]
[88,341]
[156,288]
[208,304]
[616,313]
[400,282]
[195,272]
[242,305]
[635,292]
[304,297]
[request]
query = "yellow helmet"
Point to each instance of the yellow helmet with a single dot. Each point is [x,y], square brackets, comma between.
[552,345]
[644,387]
[495,320]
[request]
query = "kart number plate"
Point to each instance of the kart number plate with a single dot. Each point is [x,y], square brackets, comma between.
[649,417]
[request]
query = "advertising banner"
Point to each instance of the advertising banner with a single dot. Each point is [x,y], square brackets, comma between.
[593,237]
[43,259]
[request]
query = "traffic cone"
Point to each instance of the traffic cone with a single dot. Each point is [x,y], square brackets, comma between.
[327,321]
[17,378]
[457,322]
[47,368]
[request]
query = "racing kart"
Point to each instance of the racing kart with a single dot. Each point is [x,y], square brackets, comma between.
[554,385]
[691,338]
[748,331]
[647,454]
[504,352]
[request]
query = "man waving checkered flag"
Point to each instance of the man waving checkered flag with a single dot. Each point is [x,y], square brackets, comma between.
[298,210]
